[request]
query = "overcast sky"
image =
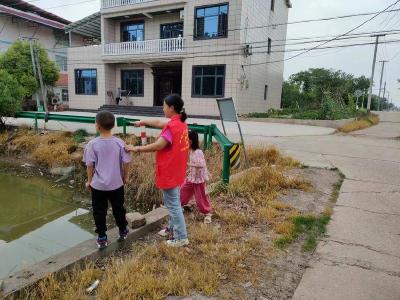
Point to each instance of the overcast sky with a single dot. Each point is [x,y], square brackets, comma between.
[355,60]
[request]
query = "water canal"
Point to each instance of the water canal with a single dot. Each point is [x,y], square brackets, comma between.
[35,222]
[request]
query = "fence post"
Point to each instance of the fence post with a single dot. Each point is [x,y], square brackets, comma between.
[36,124]
[124,126]
[226,165]
[210,135]
[205,139]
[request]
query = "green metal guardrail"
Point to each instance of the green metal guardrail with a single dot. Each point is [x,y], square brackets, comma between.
[208,132]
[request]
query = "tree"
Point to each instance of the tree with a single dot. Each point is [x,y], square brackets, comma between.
[11,96]
[316,84]
[17,61]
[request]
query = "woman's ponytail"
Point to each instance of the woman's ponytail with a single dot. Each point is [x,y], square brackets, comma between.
[176,101]
[183,115]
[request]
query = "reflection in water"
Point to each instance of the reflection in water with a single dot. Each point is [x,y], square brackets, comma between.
[34,222]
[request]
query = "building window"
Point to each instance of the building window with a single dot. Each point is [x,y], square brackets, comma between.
[61,62]
[170,31]
[269,46]
[132,32]
[86,82]
[64,95]
[265,92]
[272,5]
[208,81]
[133,82]
[211,22]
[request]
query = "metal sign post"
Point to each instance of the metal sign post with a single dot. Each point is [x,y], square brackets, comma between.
[227,111]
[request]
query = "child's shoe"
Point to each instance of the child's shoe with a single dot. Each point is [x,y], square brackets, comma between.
[102,242]
[177,243]
[123,234]
[207,219]
[166,232]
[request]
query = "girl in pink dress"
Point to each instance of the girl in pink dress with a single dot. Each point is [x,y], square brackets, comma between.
[198,175]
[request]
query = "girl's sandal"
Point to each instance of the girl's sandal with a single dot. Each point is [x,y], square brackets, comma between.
[207,219]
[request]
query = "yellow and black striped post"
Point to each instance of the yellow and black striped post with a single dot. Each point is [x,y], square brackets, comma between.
[234,156]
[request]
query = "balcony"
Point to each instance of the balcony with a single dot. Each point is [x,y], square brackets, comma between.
[148,48]
[116,3]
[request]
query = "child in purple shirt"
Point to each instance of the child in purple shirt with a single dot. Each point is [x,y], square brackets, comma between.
[107,169]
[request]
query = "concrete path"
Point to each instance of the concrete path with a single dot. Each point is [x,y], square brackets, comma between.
[360,257]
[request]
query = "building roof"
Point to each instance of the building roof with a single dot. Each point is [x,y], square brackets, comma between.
[31,17]
[89,26]
[62,80]
[27,7]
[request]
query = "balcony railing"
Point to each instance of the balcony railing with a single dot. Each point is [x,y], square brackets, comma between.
[149,47]
[115,3]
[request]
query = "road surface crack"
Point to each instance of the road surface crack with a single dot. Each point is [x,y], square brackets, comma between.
[369,211]
[336,261]
[362,246]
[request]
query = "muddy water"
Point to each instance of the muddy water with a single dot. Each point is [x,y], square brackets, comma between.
[35,222]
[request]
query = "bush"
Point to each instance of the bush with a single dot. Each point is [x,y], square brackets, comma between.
[11,96]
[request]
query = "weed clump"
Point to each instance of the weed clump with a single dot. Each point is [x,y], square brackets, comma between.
[360,123]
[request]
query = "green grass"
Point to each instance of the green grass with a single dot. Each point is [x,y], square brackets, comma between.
[311,226]
[79,135]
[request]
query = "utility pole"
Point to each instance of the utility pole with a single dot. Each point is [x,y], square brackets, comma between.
[384,92]
[34,73]
[371,83]
[42,87]
[380,83]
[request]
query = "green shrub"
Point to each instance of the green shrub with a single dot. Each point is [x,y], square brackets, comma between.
[11,95]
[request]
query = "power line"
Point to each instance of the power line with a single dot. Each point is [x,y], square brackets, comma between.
[341,35]
[263,26]
[257,52]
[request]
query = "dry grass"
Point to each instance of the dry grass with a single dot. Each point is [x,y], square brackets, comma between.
[361,123]
[219,255]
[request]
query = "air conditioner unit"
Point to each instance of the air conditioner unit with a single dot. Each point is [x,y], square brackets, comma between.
[182,14]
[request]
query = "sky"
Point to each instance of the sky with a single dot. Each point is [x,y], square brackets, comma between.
[354,60]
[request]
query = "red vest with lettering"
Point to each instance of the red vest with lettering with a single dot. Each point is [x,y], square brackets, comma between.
[171,162]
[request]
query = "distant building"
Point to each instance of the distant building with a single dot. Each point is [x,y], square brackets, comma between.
[20,19]
[203,50]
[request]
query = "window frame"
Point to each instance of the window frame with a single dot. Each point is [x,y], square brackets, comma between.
[197,38]
[208,96]
[122,24]
[65,62]
[173,23]
[76,81]
[122,81]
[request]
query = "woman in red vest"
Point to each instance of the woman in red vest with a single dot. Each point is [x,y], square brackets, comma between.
[172,148]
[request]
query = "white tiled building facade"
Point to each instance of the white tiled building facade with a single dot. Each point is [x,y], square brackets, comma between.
[196,48]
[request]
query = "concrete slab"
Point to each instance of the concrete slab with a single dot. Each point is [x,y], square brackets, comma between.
[378,232]
[327,281]
[85,250]
[354,186]
[357,255]
[385,203]
[386,172]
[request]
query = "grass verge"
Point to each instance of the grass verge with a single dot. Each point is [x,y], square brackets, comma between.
[360,123]
[310,226]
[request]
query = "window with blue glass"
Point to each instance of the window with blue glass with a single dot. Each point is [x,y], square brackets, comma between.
[208,81]
[132,81]
[211,22]
[172,30]
[86,82]
[132,31]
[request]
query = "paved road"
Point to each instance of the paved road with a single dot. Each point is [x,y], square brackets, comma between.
[360,257]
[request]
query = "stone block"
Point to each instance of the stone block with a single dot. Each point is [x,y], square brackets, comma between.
[62,171]
[135,220]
